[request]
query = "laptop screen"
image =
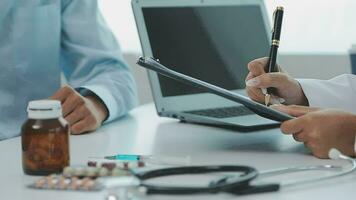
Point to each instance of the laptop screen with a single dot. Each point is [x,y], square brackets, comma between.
[213,44]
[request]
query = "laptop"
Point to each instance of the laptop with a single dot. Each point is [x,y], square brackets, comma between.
[210,40]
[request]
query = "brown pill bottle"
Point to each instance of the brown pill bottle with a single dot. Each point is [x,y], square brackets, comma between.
[45,139]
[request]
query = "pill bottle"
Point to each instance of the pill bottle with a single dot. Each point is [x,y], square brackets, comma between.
[45,139]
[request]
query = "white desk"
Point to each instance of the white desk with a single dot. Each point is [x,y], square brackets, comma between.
[142,132]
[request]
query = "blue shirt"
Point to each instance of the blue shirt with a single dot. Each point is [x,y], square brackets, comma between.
[41,38]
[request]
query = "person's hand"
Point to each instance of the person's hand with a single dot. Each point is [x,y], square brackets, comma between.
[288,90]
[321,130]
[83,114]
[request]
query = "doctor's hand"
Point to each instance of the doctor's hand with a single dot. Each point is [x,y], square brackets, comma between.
[321,130]
[288,90]
[83,114]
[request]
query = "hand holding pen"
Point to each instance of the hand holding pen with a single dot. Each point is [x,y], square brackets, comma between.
[266,83]
[272,62]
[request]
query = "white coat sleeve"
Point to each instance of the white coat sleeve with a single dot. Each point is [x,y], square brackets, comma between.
[338,93]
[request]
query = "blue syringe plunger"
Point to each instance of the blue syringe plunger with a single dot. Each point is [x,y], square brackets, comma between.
[124,157]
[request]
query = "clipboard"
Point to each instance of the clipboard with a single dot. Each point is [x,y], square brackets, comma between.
[259,109]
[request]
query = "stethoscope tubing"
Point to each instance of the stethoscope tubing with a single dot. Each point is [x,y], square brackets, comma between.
[324,178]
[286,170]
[242,182]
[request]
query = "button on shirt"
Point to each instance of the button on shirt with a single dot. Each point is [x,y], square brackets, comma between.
[41,38]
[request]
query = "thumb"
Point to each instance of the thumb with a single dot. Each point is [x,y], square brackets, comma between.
[294,110]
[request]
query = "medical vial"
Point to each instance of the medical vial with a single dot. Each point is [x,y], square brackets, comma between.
[45,139]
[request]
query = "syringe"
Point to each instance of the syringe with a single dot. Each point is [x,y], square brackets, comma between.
[159,160]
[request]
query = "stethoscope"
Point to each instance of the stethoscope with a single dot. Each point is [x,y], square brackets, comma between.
[236,184]
[240,184]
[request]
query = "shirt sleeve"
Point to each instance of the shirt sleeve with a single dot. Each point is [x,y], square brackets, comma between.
[91,57]
[338,93]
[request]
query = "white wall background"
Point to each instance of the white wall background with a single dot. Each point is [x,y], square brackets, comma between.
[119,16]
[315,26]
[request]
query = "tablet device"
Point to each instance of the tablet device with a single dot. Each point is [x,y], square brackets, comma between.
[260,109]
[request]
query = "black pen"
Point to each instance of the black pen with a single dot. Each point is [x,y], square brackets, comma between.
[276,35]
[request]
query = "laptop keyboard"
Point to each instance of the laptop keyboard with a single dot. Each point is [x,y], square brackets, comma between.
[222,112]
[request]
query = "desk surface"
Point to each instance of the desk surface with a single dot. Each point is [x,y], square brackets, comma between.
[142,132]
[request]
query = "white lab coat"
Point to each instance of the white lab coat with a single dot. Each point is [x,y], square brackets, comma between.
[338,93]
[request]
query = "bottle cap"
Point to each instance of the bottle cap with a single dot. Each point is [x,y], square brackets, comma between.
[44,109]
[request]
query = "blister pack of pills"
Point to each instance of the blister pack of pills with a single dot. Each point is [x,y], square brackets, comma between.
[85,178]
[60,182]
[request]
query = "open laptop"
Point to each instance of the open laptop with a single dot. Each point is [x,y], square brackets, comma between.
[211,40]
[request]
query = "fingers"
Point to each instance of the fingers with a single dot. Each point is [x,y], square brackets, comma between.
[69,98]
[258,96]
[255,94]
[73,101]
[275,100]
[63,93]
[77,115]
[79,128]
[293,126]
[300,137]
[249,76]
[82,113]
[305,136]
[276,80]
[253,81]
[81,120]
[257,67]
[294,110]
[258,79]
[85,125]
